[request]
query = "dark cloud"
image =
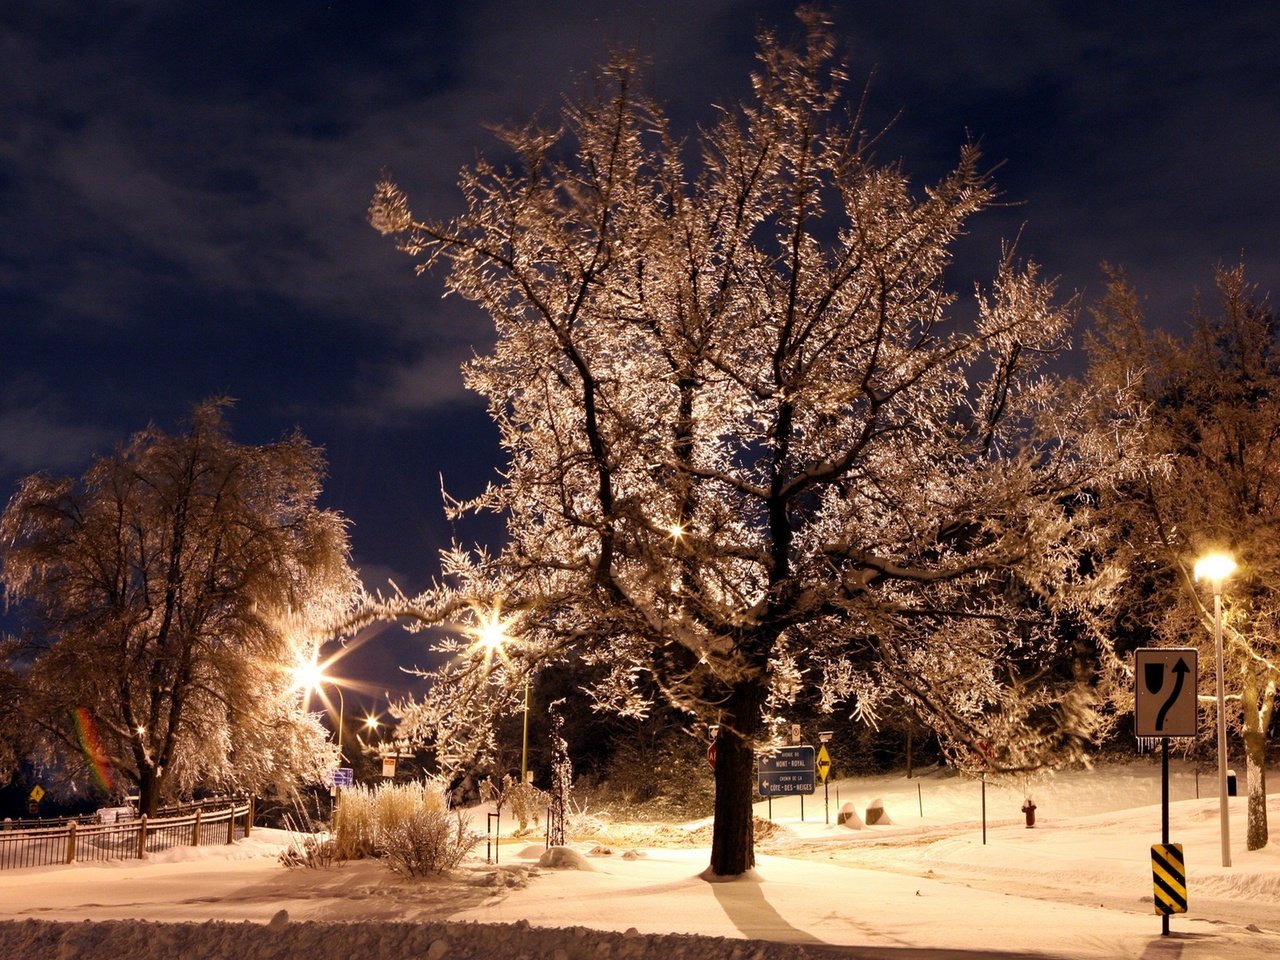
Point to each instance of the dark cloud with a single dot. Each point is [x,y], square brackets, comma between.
[183,190]
[38,433]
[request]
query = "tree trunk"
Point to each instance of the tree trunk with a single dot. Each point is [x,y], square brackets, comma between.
[148,791]
[910,755]
[1255,752]
[1256,718]
[732,838]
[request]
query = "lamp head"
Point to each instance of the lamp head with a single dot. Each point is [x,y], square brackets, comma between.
[308,675]
[1215,567]
[489,632]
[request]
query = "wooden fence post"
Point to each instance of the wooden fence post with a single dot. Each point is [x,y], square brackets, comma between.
[71,841]
[231,823]
[142,836]
[195,829]
[248,819]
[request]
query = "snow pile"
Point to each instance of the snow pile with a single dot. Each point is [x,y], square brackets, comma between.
[120,939]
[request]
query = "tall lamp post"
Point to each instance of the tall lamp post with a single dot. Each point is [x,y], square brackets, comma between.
[311,677]
[524,738]
[1215,568]
[491,635]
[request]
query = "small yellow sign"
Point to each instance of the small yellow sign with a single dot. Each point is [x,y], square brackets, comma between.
[1169,874]
[36,794]
[824,762]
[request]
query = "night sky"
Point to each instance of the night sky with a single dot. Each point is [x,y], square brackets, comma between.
[184,184]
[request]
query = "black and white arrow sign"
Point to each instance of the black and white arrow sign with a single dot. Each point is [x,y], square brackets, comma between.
[1164,696]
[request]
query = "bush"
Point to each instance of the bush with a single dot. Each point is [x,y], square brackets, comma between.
[365,816]
[310,846]
[428,841]
[660,774]
[527,804]
[312,851]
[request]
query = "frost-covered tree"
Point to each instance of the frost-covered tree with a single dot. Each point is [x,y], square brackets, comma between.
[751,444]
[167,595]
[1212,398]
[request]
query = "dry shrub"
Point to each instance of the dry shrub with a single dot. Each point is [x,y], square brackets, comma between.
[365,815]
[429,841]
[312,852]
[310,845]
[526,802]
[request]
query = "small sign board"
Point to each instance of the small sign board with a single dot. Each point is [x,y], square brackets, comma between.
[824,763]
[388,766]
[342,777]
[1169,875]
[1164,696]
[788,771]
[36,794]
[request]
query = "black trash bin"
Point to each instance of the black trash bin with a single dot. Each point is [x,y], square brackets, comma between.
[1231,783]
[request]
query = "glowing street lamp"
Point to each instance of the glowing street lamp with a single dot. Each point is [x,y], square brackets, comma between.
[1215,568]
[310,676]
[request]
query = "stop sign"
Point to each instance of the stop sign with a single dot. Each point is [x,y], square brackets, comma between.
[711,754]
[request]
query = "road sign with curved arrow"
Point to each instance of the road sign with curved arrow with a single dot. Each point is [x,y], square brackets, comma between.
[1164,696]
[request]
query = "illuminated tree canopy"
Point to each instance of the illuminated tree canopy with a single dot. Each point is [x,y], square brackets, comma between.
[752,443]
[1211,401]
[167,593]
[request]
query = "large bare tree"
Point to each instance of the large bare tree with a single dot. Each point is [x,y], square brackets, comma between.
[751,444]
[168,593]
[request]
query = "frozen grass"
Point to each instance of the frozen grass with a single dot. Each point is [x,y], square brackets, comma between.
[367,815]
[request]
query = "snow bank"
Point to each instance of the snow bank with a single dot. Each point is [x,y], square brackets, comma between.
[117,939]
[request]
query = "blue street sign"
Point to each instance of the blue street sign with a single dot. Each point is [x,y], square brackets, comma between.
[788,771]
[343,777]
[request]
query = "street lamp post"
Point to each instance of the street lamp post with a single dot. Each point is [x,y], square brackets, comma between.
[310,676]
[1215,568]
[492,637]
[524,740]
[342,708]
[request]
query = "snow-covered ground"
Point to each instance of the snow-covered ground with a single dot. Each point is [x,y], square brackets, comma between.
[925,886]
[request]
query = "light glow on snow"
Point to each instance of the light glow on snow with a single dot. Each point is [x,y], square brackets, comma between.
[1077,885]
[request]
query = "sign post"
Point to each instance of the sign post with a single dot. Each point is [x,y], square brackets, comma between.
[1164,706]
[824,768]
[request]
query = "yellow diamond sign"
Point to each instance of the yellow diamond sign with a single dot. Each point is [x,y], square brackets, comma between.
[824,763]
[37,792]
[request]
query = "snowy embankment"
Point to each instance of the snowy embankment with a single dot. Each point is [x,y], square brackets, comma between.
[133,940]
[924,885]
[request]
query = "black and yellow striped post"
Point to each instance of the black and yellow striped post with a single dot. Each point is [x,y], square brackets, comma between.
[1169,875]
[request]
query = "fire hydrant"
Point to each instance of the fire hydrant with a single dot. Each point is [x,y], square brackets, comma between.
[1029,808]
